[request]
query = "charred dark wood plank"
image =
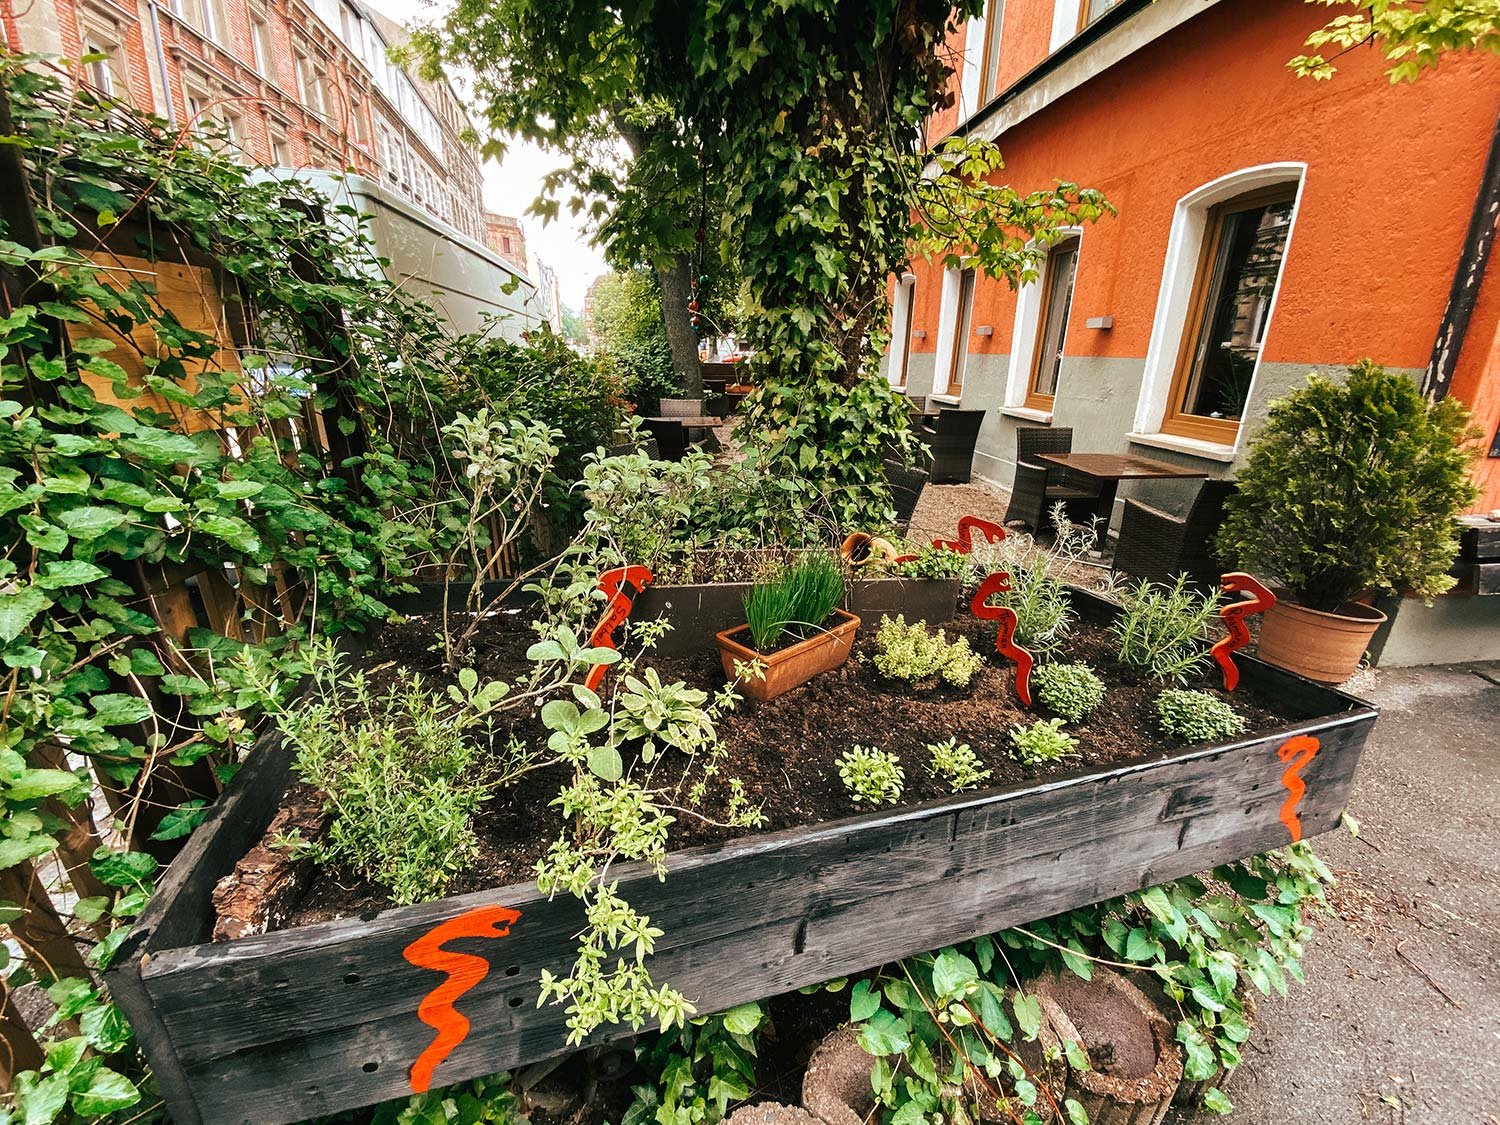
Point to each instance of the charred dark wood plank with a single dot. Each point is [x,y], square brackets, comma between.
[282,1026]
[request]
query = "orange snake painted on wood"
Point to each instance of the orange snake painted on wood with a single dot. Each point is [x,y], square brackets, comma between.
[1299,751]
[1005,639]
[967,525]
[614,583]
[1233,615]
[463,972]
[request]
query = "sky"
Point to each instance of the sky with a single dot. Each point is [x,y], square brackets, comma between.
[511,185]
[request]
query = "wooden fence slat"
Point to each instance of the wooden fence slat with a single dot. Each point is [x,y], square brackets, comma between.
[19,1049]
[40,930]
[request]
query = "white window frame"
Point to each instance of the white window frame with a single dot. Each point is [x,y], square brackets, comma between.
[1026,327]
[1065,17]
[906,291]
[971,66]
[947,332]
[1179,274]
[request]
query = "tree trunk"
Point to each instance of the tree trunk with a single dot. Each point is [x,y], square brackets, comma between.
[18,1046]
[676,291]
[40,930]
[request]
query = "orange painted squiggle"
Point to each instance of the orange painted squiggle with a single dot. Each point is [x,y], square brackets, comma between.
[1233,615]
[464,971]
[614,583]
[967,526]
[1299,751]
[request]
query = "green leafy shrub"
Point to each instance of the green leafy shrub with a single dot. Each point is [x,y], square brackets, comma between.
[796,600]
[957,764]
[1072,690]
[1197,716]
[1353,487]
[396,773]
[932,562]
[667,715]
[871,776]
[910,652]
[1042,741]
[1162,629]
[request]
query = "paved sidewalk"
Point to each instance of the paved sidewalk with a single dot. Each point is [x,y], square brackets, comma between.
[1399,1021]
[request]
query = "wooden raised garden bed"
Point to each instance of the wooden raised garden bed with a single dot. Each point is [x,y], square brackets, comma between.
[317,1018]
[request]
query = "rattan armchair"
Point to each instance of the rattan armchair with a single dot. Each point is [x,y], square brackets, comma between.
[952,440]
[906,485]
[1037,485]
[682,408]
[1159,547]
[670,437]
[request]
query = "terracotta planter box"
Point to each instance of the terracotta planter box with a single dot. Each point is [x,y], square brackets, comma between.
[315,1019]
[702,611]
[792,666]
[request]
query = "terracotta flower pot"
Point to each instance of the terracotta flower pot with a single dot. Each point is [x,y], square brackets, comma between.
[794,665]
[1325,647]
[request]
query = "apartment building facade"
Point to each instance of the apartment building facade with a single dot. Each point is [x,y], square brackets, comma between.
[1267,225]
[298,84]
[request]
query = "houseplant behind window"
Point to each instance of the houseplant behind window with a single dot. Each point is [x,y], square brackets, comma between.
[1349,489]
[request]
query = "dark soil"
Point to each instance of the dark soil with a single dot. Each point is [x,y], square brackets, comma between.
[785,752]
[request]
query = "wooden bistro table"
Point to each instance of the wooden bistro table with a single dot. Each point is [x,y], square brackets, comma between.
[706,422]
[1109,469]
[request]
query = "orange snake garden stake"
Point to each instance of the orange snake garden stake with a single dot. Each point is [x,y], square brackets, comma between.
[1233,615]
[1005,640]
[967,525]
[614,583]
[463,971]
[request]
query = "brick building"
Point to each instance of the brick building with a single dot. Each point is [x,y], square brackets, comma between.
[300,84]
[503,235]
[1268,224]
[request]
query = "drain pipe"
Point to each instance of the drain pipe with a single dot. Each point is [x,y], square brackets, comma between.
[161,62]
[1464,294]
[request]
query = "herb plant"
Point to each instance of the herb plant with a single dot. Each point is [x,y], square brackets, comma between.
[1197,716]
[1071,690]
[933,562]
[871,776]
[910,652]
[957,764]
[669,716]
[1162,629]
[1043,741]
[1044,612]
[797,600]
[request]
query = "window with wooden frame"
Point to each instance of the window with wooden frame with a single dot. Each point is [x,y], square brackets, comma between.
[989,61]
[906,296]
[1052,323]
[105,69]
[1243,247]
[1090,10]
[958,356]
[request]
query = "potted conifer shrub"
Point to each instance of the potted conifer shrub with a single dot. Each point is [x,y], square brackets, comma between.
[788,627]
[1351,488]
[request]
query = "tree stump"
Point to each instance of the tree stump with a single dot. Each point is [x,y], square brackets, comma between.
[771,1113]
[836,1088]
[1136,1064]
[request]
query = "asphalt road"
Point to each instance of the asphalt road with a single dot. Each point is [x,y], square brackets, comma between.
[1399,1021]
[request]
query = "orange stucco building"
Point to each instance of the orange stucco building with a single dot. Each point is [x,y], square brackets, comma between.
[1267,224]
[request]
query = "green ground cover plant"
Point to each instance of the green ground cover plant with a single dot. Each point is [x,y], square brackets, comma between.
[1197,716]
[911,653]
[1042,741]
[1071,690]
[957,764]
[871,776]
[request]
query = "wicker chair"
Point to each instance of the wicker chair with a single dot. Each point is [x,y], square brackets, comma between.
[681,408]
[906,485]
[1159,547]
[952,441]
[1037,485]
[670,437]
[917,403]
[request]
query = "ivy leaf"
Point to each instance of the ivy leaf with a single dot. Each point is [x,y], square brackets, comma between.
[91,521]
[120,709]
[181,820]
[1080,965]
[109,1091]
[1141,947]
[1078,1058]
[18,849]
[237,489]
[1216,1101]
[69,572]
[18,610]
[40,1099]
[952,973]
[1077,1115]
[122,869]
[884,1034]
[1028,1011]
[31,784]
[744,1019]
[105,1027]
[863,1003]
